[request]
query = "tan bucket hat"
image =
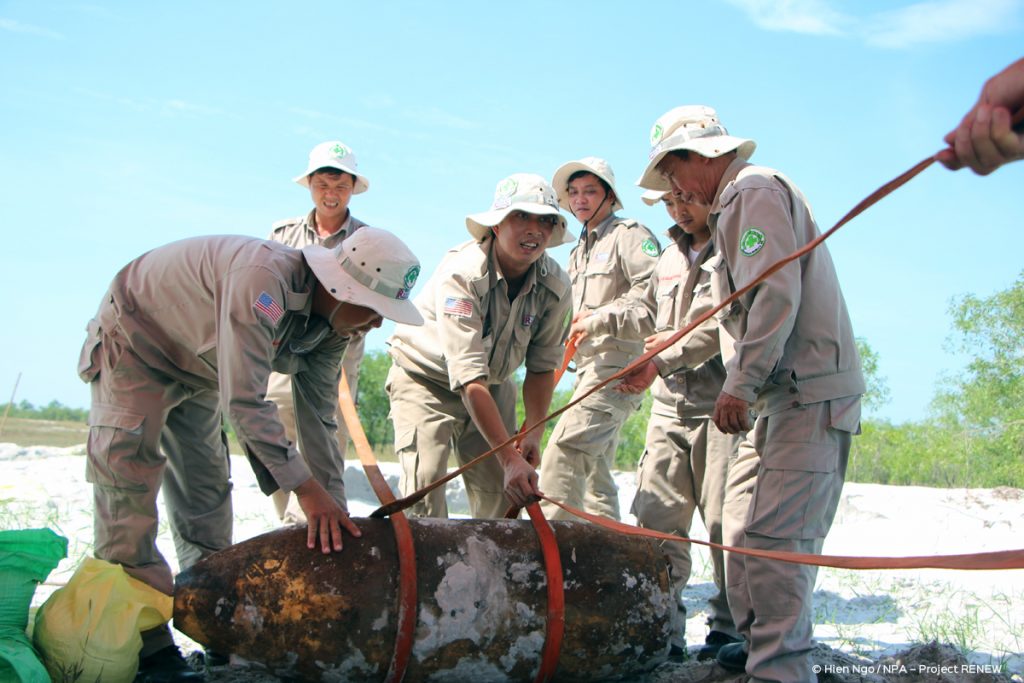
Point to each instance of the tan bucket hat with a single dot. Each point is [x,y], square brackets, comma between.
[520,192]
[652,197]
[334,154]
[693,127]
[371,268]
[595,165]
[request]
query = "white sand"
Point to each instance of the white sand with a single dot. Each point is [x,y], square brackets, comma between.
[871,613]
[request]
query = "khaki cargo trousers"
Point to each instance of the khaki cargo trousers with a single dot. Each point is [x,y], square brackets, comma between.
[684,468]
[432,423]
[149,433]
[782,494]
[576,467]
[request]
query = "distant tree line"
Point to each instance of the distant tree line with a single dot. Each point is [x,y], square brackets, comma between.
[54,410]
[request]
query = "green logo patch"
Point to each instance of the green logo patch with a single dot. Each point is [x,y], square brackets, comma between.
[339,151]
[649,247]
[656,132]
[410,277]
[751,242]
[507,187]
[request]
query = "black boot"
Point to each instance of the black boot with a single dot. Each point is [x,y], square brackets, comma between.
[732,657]
[166,666]
[713,643]
[215,658]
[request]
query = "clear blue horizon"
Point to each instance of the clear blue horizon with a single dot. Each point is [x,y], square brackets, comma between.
[129,125]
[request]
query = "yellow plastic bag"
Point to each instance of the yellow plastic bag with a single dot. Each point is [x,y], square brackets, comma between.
[89,630]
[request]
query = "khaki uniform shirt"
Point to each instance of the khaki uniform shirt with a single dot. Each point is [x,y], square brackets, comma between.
[472,331]
[608,264]
[794,341]
[301,231]
[690,371]
[221,313]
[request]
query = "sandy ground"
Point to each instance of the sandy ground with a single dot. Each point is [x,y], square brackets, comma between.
[864,619]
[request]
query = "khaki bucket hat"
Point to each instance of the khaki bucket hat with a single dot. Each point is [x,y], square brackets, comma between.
[652,197]
[520,192]
[334,154]
[693,127]
[371,268]
[595,165]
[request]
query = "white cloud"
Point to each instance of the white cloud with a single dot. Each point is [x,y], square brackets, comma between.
[941,21]
[815,17]
[28,29]
[929,21]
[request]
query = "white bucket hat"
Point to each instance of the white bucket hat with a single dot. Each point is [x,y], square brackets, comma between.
[334,154]
[693,127]
[520,192]
[370,268]
[652,197]
[595,165]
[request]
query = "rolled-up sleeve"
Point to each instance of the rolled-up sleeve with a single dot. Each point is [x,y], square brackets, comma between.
[460,326]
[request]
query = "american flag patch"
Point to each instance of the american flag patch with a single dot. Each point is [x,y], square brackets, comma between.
[268,307]
[460,307]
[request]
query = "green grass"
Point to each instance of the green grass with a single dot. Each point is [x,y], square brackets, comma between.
[30,432]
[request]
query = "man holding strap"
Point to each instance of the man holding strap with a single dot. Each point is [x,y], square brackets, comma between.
[794,362]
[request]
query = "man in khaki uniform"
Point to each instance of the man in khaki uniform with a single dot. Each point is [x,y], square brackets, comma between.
[494,303]
[613,259]
[794,361]
[194,328]
[686,458]
[332,179]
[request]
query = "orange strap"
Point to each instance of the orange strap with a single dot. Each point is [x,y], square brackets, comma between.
[1002,559]
[407,598]
[416,496]
[874,197]
[552,560]
[556,594]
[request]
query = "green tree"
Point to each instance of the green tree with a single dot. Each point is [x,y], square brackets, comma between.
[633,437]
[877,393]
[372,401]
[983,406]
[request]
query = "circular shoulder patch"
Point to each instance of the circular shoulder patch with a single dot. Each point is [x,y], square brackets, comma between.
[751,242]
[649,247]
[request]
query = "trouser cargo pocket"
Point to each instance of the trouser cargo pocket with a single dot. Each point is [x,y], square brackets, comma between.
[115,448]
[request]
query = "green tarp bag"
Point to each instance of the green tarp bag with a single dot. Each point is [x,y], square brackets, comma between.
[27,556]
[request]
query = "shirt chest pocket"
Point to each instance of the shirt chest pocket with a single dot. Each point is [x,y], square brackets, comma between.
[702,295]
[720,286]
[600,265]
[666,304]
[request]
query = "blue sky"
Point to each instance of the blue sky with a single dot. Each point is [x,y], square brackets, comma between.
[124,126]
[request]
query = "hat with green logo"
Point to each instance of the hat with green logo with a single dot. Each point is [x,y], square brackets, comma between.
[597,166]
[371,268]
[520,192]
[692,127]
[334,154]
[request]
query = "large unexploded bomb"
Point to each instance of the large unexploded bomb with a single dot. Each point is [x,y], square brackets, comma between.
[482,603]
